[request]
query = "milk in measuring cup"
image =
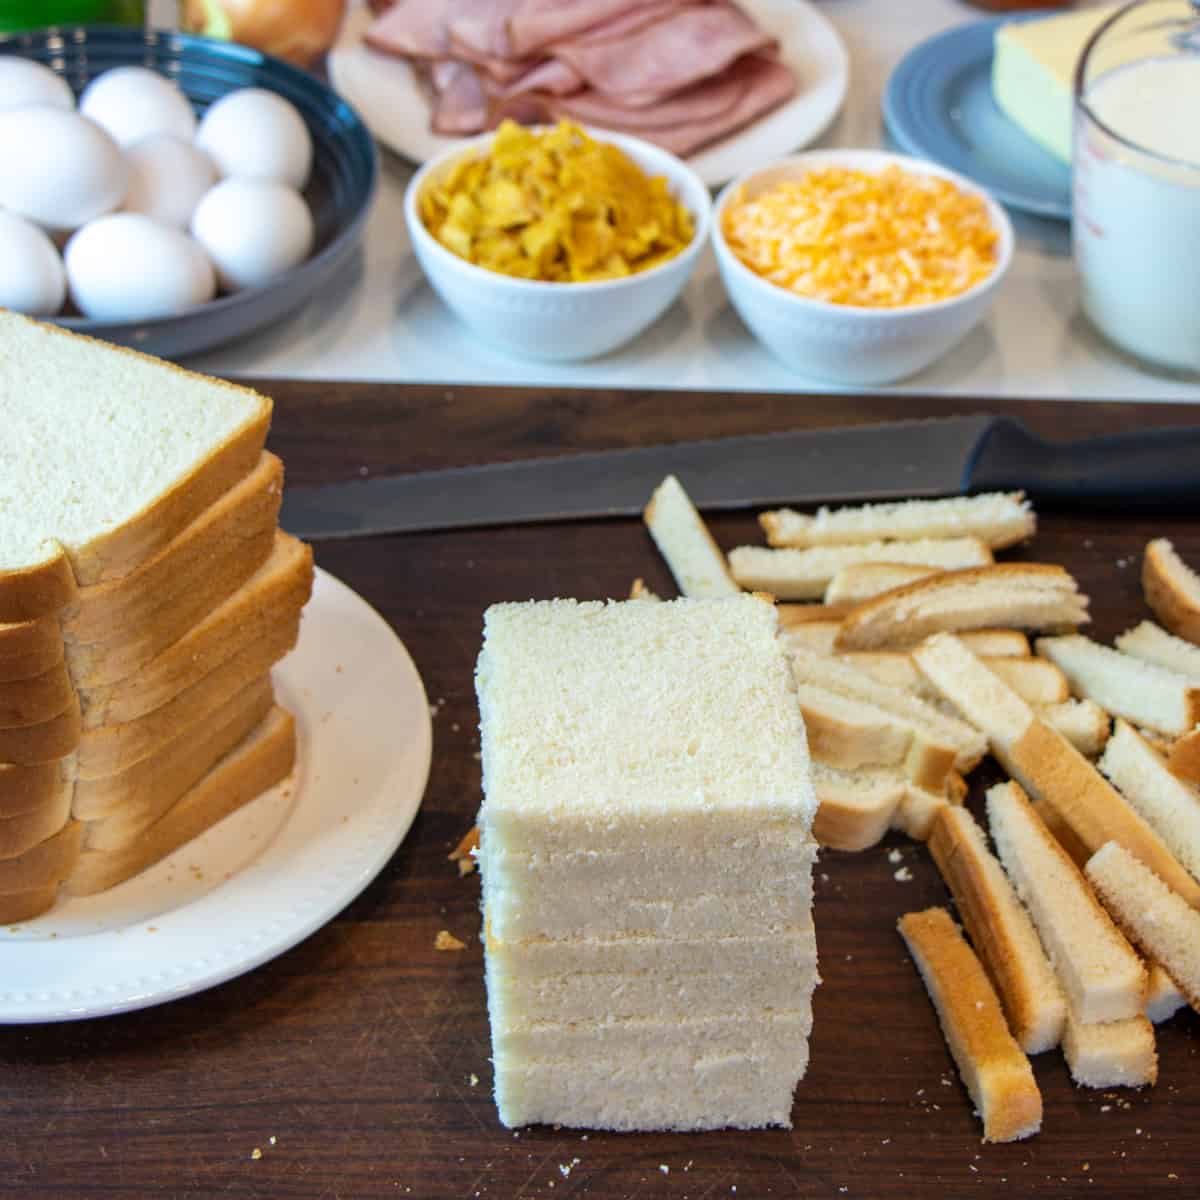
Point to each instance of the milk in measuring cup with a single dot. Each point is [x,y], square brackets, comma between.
[1136,221]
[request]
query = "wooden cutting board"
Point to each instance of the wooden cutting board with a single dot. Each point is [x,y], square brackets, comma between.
[357,1063]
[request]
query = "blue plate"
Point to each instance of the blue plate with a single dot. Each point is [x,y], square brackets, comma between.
[938,104]
[339,192]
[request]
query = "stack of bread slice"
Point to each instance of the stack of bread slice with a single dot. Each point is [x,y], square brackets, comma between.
[145,593]
[646,857]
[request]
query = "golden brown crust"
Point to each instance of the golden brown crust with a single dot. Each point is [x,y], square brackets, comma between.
[36,592]
[1183,757]
[993,1066]
[845,824]
[24,906]
[45,742]
[23,831]
[49,862]
[31,701]
[27,648]
[791,615]
[1165,593]
[1055,774]
[23,789]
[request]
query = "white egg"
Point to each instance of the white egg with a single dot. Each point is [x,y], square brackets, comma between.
[126,267]
[24,83]
[252,230]
[32,281]
[59,169]
[256,134]
[167,178]
[134,102]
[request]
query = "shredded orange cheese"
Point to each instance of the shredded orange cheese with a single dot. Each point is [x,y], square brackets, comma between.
[881,240]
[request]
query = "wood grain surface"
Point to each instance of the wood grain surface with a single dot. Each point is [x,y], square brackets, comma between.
[356,1064]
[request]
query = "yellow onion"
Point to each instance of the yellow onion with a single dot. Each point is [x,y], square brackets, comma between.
[298,31]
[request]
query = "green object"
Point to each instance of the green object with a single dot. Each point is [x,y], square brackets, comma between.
[38,14]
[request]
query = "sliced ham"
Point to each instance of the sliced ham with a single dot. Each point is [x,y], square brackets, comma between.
[481,26]
[460,102]
[659,59]
[412,29]
[630,22]
[550,75]
[536,23]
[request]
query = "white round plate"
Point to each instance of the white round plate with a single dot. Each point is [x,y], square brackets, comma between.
[392,104]
[273,872]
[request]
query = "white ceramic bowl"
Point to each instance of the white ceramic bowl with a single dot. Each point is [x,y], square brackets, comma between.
[559,322]
[843,343]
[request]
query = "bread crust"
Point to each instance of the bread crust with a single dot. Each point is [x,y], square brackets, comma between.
[31,701]
[1166,593]
[25,788]
[23,831]
[24,906]
[37,591]
[47,863]
[44,742]
[28,648]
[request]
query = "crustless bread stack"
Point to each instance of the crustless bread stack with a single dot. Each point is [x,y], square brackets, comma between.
[145,593]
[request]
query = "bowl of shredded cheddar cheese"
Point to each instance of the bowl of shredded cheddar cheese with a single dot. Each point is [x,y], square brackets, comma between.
[859,266]
[557,243]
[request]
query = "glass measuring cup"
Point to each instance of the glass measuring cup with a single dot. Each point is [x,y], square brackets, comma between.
[1136,181]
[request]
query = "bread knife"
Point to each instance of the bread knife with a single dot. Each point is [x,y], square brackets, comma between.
[1157,468]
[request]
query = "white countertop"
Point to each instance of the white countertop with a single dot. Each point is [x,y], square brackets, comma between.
[381,321]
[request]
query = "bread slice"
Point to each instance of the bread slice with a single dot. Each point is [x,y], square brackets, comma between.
[49,862]
[1022,595]
[685,543]
[805,574]
[993,1067]
[849,733]
[107,455]
[16,907]
[1111,1053]
[1170,806]
[1033,679]
[115,810]
[817,637]
[24,789]
[919,807]
[1000,928]
[998,518]
[1163,997]
[23,831]
[47,741]
[1140,692]
[1172,589]
[29,648]
[855,808]
[1082,722]
[31,701]
[1158,920]
[837,675]
[1057,776]
[257,763]
[978,693]
[205,562]
[272,597]
[1153,644]
[863,581]
[1104,980]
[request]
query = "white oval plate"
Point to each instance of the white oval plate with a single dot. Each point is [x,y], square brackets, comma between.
[273,872]
[392,104]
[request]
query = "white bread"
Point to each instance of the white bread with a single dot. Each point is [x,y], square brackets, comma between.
[850,733]
[993,1067]
[1057,776]
[48,862]
[107,455]
[1022,595]
[863,581]
[685,543]
[805,574]
[1153,644]
[855,808]
[31,701]
[116,809]
[1163,997]
[272,597]
[919,808]
[1104,980]
[1172,589]
[837,675]
[23,831]
[998,518]
[25,788]
[47,741]
[1157,919]
[979,694]
[1127,687]
[1111,1053]
[1033,679]
[1001,931]
[1082,722]
[1170,806]
[29,648]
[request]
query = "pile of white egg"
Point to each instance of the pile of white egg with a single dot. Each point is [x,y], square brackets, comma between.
[153,211]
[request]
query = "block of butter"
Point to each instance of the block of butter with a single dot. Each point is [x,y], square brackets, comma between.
[1033,70]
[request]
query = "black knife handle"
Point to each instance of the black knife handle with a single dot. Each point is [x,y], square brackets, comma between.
[1151,468]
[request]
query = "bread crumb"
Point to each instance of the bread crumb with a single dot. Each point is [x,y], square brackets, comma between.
[474,1079]
[903,875]
[465,852]
[445,940]
[895,856]
[664,1168]
[256,1153]
[272,1139]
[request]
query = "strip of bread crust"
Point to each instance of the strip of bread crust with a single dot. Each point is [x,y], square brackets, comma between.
[1103,978]
[49,862]
[44,742]
[31,701]
[1172,589]
[993,1067]
[23,789]
[1153,644]
[685,543]
[1000,518]
[1158,920]
[1021,595]
[1183,757]
[864,581]
[855,807]
[24,830]
[1055,774]
[29,648]
[24,906]
[1001,931]
[1111,1054]
[1163,997]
